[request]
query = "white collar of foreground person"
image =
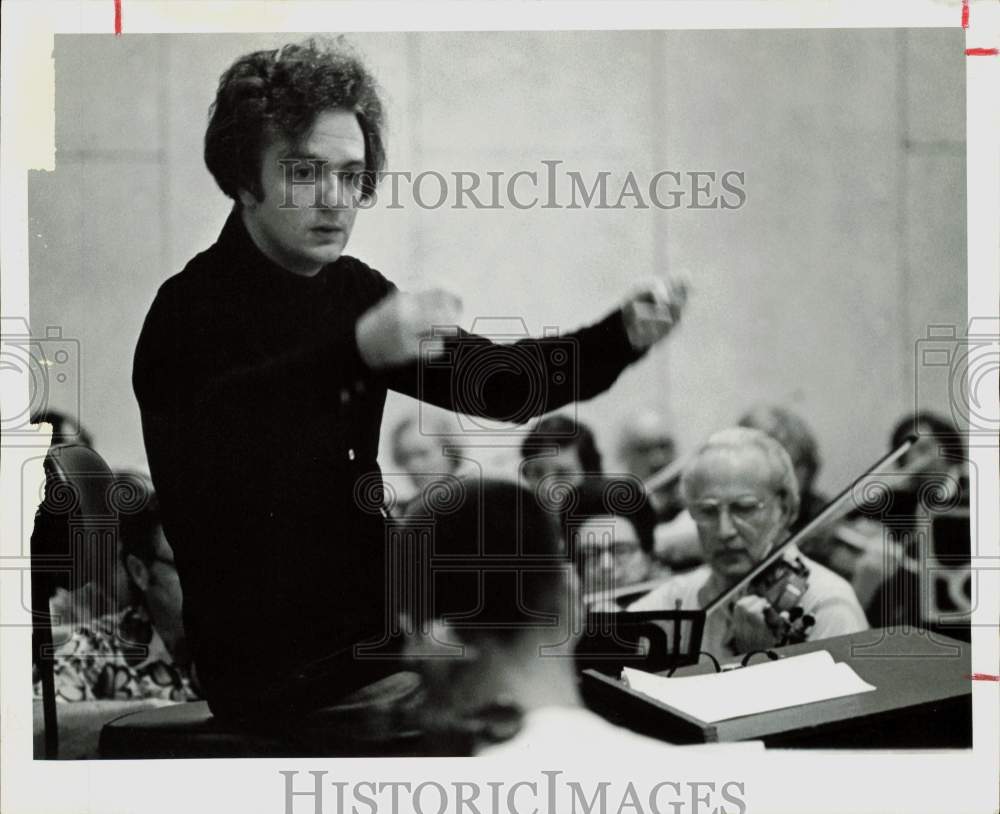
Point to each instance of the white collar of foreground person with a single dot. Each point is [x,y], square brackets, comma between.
[574,732]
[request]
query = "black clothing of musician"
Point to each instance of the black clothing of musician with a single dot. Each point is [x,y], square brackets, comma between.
[261,423]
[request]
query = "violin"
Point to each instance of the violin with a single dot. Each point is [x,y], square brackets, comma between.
[783,586]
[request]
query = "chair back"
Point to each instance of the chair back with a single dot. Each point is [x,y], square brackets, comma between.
[73,546]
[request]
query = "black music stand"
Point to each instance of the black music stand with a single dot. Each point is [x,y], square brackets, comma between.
[648,640]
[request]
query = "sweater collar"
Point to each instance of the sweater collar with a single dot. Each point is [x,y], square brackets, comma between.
[235,240]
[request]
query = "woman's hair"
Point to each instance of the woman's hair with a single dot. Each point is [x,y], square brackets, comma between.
[564,432]
[938,426]
[791,432]
[613,497]
[278,94]
[737,440]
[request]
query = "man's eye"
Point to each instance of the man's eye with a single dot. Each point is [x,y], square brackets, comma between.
[746,510]
[302,173]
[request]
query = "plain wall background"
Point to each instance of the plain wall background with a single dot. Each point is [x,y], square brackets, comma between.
[813,294]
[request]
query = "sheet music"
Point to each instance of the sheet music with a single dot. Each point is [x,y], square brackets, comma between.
[788,682]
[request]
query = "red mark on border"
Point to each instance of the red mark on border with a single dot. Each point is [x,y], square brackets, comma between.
[983,677]
[965,13]
[981,52]
[118,18]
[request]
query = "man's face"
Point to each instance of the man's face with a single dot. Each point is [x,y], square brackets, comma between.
[310,194]
[564,467]
[646,454]
[609,554]
[421,457]
[739,514]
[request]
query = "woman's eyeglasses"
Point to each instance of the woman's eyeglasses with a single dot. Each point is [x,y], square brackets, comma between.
[746,509]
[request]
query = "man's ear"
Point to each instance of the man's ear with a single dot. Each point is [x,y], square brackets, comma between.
[138,571]
[247,199]
[438,640]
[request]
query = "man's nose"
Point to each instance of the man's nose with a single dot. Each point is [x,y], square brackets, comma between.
[338,191]
[726,529]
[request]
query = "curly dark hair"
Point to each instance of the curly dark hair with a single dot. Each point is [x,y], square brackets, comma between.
[278,94]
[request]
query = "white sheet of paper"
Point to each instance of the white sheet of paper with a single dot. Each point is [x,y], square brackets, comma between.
[787,682]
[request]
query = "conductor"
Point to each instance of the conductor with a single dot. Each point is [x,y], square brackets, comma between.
[262,370]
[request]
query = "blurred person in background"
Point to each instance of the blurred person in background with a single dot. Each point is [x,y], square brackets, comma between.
[559,449]
[609,533]
[139,651]
[417,445]
[646,446]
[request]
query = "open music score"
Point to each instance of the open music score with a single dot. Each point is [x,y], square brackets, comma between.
[763,687]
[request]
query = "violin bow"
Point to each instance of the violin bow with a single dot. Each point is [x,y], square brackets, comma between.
[830,513]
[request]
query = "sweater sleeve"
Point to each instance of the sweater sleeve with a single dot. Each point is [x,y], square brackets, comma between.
[518,381]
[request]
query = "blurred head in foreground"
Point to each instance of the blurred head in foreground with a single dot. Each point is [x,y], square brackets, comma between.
[491,623]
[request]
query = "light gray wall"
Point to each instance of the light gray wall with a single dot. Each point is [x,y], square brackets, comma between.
[851,242]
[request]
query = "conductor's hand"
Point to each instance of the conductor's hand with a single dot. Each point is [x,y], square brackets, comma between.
[651,313]
[753,624]
[399,328]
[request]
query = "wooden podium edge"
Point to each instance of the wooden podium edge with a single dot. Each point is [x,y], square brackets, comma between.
[622,705]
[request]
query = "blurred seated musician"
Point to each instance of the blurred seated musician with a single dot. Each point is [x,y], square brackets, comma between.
[932,479]
[139,652]
[937,459]
[645,448]
[559,449]
[742,492]
[418,448]
[495,644]
[609,532]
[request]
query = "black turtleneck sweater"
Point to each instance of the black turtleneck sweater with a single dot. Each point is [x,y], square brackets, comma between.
[261,420]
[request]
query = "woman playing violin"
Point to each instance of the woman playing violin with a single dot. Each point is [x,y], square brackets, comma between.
[742,493]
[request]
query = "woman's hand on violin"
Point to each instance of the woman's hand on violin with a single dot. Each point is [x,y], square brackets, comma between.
[754,625]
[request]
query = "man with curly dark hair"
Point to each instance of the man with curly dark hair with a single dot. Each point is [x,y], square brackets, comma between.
[261,374]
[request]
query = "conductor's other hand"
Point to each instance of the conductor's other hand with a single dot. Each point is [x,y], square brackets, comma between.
[654,309]
[400,328]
